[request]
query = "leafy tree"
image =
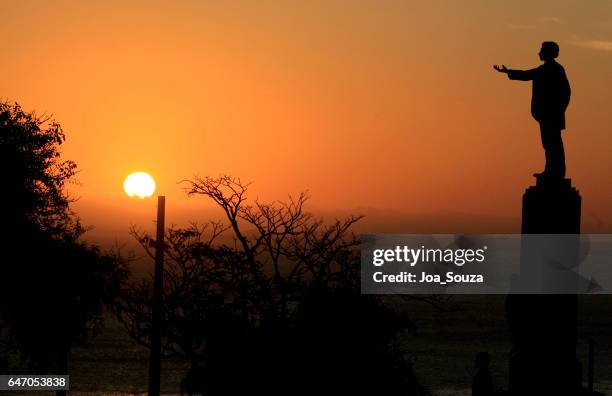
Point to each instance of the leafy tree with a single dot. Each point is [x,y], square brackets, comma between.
[35,175]
[52,285]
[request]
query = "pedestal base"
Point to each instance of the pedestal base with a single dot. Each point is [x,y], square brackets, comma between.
[551,207]
[543,357]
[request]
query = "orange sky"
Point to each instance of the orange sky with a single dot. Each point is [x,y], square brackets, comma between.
[372,106]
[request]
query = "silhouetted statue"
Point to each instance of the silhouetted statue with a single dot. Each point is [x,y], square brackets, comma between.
[550,97]
[482,384]
[544,327]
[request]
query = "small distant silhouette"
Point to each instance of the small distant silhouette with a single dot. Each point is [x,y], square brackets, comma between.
[482,384]
[550,98]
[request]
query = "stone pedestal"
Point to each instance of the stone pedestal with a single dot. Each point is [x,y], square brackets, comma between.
[551,207]
[543,357]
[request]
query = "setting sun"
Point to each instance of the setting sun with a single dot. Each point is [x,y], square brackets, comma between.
[139,184]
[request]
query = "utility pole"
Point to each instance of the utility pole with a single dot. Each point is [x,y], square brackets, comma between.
[158,290]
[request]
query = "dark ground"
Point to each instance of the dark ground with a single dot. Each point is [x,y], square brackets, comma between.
[442,350]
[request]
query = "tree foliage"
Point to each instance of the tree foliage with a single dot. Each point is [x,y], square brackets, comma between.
[35,175]
[52,284]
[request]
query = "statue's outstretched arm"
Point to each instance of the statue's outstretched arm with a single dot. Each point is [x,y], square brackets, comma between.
[522,75]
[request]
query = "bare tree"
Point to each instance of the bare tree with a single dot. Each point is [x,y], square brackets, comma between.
[270,291]
[286,247]
[279,251]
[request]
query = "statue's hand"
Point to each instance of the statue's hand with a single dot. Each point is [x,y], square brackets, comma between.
[502,69]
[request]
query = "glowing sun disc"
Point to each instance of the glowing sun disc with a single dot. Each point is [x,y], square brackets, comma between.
[139,184]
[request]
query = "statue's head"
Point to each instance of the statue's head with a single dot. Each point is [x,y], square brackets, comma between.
[549,51]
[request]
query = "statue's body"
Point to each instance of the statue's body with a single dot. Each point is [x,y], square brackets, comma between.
[550,97]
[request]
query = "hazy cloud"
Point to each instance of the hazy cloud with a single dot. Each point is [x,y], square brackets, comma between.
[599,45]
[529,26]
[549,19]
[517,26]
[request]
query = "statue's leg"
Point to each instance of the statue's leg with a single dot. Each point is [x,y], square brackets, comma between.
[553,150]
[561,156]
[544,135]
[557,152]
